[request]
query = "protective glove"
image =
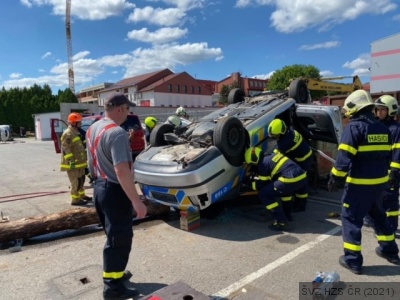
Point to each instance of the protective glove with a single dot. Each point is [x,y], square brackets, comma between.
[72,165]
[246,184]
[332,183]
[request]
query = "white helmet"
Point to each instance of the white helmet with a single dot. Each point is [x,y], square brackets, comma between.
[174,120]
[356,101]
[180,111]
[389,102]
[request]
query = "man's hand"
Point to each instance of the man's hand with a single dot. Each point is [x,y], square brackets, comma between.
[140,208]
[332,183]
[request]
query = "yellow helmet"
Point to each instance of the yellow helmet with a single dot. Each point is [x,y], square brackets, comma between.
[356,101]
[150,122]
[276,128]
[389,102]
[252,155]
[174,120]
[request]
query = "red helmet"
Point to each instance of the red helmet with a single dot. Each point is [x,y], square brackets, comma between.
[73,118]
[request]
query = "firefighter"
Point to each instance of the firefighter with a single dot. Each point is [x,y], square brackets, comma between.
[73,159]
[174,121]
[181,112]
[278,177]
[150,123]
[82,134]
[293,145]
[116,197]
[386,108]
[363,159]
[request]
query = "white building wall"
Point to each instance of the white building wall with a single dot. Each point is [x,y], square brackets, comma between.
[385,64]
[188,100]
[43,125]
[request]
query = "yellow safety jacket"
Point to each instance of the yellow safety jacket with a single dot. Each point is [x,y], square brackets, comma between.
[73,151]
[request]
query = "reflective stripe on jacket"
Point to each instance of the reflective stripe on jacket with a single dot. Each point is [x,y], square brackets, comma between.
[73,150]
[293,145]
[277,166]
[364,152]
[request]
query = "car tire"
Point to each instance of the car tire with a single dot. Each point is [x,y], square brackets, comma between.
[229,137]
[235,96]
[157,134]
[299,91]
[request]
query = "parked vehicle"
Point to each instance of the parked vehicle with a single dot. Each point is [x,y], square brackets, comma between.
[7,132]
[202,164]
[132,122]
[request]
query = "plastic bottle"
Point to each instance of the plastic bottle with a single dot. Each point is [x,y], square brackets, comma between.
[330,279]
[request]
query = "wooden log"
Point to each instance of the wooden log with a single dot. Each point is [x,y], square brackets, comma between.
[30,227]
[70,219]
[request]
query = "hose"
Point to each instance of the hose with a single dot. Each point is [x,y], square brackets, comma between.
[11,198]
[324,155]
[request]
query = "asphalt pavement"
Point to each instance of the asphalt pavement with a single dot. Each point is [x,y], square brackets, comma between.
[231,256]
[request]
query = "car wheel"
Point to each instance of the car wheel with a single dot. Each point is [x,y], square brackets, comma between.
[235,96]
[157,134]
[229,137]
[299,91]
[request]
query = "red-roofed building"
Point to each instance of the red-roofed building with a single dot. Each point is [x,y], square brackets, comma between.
[162,88]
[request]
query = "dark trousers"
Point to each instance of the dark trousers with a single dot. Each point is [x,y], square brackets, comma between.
[115,212]
[357,202]
[278,189]
[391,206]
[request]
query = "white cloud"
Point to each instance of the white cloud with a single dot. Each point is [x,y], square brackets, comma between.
[298,15]
[326,73]
[264,76]
[160,36]
[139,61]
[157,16]
[245,3]
[187,4]
[80,55]
[85,9]
[169,56]
[360,65]
[325,45]
[46,55]
[15,75]
[26,3]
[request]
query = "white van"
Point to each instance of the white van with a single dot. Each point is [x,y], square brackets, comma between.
[6,131]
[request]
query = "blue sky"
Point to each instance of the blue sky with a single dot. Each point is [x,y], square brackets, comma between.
[209,39]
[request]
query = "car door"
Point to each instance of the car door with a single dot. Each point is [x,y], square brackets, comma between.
[319,122]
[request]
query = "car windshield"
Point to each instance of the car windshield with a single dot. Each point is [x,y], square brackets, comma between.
[86,122]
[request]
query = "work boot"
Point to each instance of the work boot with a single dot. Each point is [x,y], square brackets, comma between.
[118,291]
[392,258]
[353,268]
[87,198]
[127,275]
[80,202]
[278,226]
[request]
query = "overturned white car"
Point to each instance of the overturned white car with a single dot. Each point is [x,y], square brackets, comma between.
[191,167]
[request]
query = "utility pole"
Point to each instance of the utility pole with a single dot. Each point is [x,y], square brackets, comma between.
[69,47]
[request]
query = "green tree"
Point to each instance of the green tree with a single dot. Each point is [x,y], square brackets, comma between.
[225,89]
[281,79]
[67,97]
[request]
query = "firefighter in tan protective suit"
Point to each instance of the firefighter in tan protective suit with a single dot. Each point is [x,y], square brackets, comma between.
[74,159]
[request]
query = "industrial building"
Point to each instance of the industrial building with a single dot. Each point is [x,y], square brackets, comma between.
[385,65]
